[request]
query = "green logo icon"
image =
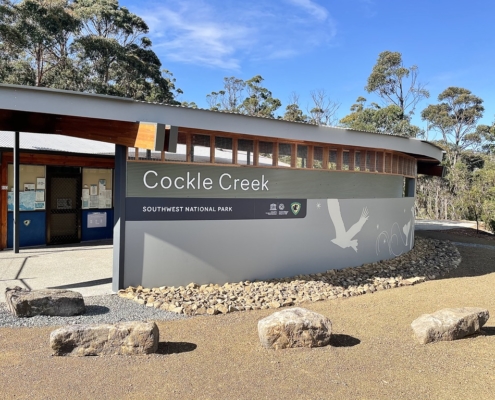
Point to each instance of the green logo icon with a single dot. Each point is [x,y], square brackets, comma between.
[295,208]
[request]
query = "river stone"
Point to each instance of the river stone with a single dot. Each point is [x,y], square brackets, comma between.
[124,338]
[51,302]
[449,324]
[294,327]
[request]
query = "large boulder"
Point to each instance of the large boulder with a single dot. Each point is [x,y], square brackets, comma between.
[449,324]
[124,338]
[294,327]
[51,302]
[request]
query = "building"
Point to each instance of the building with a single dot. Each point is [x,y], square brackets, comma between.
[203,196]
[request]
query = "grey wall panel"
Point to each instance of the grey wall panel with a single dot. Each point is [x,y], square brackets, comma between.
[278,183]
[334,234]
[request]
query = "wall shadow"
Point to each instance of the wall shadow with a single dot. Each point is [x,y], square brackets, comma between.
[175,347]
[95,282]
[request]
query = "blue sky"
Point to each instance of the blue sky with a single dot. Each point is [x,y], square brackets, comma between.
[304,45]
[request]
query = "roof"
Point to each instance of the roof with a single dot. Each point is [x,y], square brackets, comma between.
[58,103]
[48,142]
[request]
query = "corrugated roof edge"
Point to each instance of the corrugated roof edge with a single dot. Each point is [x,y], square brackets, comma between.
[198,108]
[64,91]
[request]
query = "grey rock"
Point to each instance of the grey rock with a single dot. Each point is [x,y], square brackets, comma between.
[294,327]
[51,302]
[449,324]
[125,338]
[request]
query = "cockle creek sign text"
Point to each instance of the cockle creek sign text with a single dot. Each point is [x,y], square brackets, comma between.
[190,181]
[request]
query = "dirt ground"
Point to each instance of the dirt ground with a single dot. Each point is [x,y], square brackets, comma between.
[373,354]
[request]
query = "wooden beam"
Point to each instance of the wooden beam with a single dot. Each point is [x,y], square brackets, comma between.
[53,159]
[130,134]
[150,136]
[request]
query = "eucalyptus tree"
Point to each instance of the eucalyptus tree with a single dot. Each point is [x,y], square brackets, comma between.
[245,97]
[259,101]
[116,55]
[373,118]
[293,110]
[396,84]
[455,117]
[230,97]
[35,38]
[322,111]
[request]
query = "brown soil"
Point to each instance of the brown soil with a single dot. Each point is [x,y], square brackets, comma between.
[373,354]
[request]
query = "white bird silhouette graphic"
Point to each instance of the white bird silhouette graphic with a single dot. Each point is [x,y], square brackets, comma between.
[344,237]
[407,228]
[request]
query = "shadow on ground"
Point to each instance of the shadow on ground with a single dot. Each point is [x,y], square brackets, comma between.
[339,340]
[175,347]
[95,282]
[93,309]
[487,331]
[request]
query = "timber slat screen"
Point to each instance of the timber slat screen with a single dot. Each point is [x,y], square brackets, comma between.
[222,149]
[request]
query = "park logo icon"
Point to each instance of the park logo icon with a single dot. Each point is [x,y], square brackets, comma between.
[295,208]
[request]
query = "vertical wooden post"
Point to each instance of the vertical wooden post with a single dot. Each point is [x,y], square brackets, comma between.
[256,152]
[351,160]
[339,159]
[324,163]
[188,147]
[234,150]
[311,157]
[212,149]
[275,154]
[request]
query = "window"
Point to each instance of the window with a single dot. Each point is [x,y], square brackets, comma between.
[284,155]
[223,150]
[302,156]
[266,154]
[318,157]
[200,149]
[245,152]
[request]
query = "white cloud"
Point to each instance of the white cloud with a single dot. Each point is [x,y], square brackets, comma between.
[312,8]
[223,35]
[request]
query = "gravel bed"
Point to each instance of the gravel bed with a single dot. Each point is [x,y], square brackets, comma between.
[428,260]
[99,310]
